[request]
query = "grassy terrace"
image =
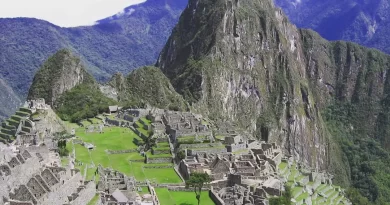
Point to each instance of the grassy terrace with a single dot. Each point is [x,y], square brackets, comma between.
[146,121]
[95,121]
[331,196]
[181,198]
[115,138]
[141,129]
[94,200]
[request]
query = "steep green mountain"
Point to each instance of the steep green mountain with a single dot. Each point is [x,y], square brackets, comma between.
[363,22]
[244,61]
[60,73]
[117,44]
[147,86]
[65,84]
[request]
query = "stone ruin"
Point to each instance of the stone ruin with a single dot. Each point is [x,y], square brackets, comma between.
[117,188]
[37,104]
[246,178]
[94,128]
[182,124]
[31,175]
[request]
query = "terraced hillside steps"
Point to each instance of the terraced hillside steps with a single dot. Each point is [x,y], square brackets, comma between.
[323,194]
[10,126]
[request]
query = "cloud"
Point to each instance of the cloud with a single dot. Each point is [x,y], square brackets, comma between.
[65,13]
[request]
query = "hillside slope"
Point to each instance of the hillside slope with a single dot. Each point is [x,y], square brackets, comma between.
[65,84]
[116,44]
[148,86]
[363,22]
[244,61]
[60,73]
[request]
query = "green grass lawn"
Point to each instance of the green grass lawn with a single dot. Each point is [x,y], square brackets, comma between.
[85,123]
[71,125]
[112,138]
[182,198]
[96,121]
[115,138]
[64,161]
[141,129]
[167,175]
[145,190]
[146,121]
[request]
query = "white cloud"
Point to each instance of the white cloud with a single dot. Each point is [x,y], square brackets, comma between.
[65,13]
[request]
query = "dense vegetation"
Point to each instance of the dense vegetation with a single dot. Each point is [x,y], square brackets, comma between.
[62,67]
[119,43]
[82,102]
[367,160]
[148,86]
[285,199]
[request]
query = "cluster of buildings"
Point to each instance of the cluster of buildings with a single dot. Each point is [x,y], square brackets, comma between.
[116,188]
[32,175]
[247,178]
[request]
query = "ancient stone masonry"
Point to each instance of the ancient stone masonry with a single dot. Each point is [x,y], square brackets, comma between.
[117,188]
[27,177]
[246,178]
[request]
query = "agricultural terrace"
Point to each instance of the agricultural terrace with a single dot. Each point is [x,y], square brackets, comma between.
[182,198]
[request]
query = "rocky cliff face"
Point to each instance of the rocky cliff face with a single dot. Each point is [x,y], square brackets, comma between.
[60,73]
[244,61]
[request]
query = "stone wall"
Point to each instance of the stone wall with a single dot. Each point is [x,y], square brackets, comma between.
[23,194]
[141,135]
[155,199]
[202,145]
[235,147]
[159,160]
[121,151]
[19,175]
[216,199]
[161,151]
[184,189]
[118,123]
[158,167]
[208,150]
[61,191]
[14,202]
[86,194]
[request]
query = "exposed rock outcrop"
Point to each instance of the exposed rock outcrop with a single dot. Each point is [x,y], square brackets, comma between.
[244,61]
[60,73]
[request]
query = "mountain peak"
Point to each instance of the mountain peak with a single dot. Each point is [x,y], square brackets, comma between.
[60,73]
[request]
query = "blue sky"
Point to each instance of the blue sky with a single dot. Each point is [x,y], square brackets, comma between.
[65,13]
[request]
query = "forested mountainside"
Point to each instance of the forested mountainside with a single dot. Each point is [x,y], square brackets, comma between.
[116,44]
[326,103]
[363,22]
[244,61]
[65,84]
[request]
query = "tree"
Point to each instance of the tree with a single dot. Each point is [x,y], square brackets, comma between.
[150,142]
[285,199]
[62,150]
[181,155]
[197,181]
